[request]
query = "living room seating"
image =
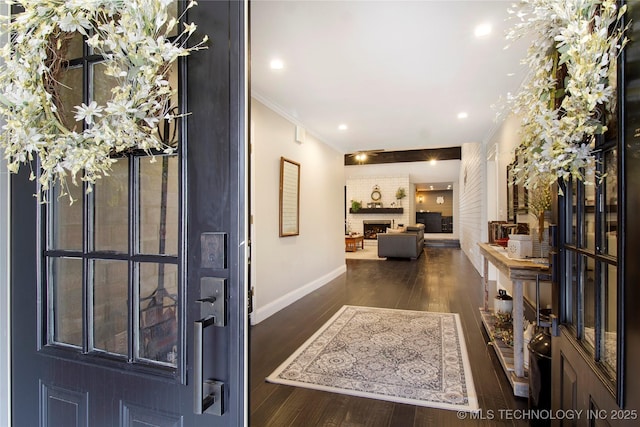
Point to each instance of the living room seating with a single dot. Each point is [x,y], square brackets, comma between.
[404,244]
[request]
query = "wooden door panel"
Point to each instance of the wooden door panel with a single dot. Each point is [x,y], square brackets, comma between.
[137,416]
[62,407]
[568,389]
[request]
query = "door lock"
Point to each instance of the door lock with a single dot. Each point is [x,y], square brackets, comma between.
[213,302]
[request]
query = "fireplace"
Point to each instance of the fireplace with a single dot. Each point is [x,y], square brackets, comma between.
[374,226]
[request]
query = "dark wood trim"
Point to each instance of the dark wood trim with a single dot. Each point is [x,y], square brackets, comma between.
[377,211]
[403,156]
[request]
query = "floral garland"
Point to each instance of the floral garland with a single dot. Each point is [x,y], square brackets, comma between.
[559,118]
[133,38]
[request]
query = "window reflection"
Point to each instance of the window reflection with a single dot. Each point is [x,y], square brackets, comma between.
[66,287]
[610,320]
[572,298]
[589,301]
[101,84]
[110,306]
[573,212]
[111,204]
[610,196]
[159,205]
[158,317]
[589,213]
[66,221]
[74,46]
[70,93]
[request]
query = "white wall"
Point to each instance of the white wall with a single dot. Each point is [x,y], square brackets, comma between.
[419,173]
[5,312]
[284,269]
[472,202]
[504,143]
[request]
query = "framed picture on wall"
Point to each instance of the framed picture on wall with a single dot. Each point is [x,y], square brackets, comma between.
[512,194]
[522,195]
[289,198]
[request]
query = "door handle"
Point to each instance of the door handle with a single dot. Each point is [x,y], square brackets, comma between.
[208,395]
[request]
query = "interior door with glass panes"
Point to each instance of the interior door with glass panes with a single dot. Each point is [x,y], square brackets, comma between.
[128,304]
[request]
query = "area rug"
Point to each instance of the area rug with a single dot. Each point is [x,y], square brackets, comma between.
[412,357]
[370,252]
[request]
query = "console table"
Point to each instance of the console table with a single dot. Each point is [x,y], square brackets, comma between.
[518,271]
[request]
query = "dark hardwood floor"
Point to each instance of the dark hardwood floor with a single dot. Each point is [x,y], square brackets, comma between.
[443,280]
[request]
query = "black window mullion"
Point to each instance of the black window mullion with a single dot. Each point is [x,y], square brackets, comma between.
[134,281]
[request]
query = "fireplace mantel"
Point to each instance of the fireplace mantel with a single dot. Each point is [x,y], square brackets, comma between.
[377,211]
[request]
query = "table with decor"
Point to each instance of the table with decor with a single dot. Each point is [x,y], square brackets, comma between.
[518,271]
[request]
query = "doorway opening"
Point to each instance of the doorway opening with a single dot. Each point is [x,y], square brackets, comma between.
[434,207]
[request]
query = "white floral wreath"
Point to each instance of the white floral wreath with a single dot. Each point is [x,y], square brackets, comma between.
[133,38]
[586,37]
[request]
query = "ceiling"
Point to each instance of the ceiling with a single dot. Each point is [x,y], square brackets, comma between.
[397,73]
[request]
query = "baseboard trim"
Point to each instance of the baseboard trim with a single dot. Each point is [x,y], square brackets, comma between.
[262,313]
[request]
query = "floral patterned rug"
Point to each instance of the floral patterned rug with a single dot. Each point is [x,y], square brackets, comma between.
[412,357]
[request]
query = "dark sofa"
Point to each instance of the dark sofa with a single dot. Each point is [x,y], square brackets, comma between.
[408,244]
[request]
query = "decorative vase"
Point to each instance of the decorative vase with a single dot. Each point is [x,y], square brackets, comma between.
[540,248]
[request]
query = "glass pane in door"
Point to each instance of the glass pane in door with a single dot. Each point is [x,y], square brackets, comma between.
[589,300]
[572,214]
[101,84]
[66,304]
[70,95]
[158,316]
[610,319]
[66,218]
[610,196]
[571,297]
[73,46]
[590,213]
[158,205]
[110,306]
[111,214]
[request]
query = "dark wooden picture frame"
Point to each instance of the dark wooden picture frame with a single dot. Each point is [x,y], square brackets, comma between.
[517,194]
[289,198]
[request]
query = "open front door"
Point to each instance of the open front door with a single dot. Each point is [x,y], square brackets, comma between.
[594,356]
[128,307]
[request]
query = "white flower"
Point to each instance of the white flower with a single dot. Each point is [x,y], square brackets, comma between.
[585,36]
[72,23]
[87,112]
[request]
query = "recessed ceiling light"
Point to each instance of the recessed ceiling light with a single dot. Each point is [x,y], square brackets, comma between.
[276,64]
[343,127]
[482,30]
[463,115]
[433,162]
